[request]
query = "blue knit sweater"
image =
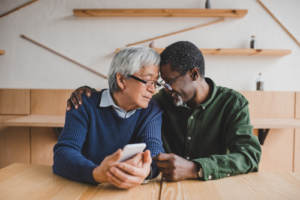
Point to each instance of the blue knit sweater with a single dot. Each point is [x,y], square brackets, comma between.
[91,133]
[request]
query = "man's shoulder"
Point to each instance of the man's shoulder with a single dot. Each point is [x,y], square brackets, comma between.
[153,107]
[162,99]
[231,95]
[158,95]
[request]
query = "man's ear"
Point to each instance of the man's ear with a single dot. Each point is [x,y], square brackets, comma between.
[194,74]
[120,81]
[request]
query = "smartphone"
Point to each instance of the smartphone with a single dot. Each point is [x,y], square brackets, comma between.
[131,150]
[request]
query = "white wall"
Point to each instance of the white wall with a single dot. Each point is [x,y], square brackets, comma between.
[91,41]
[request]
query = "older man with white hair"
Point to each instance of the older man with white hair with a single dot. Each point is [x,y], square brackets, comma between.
[89,147]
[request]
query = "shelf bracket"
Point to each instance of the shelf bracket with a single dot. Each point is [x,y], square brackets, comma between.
[262,135]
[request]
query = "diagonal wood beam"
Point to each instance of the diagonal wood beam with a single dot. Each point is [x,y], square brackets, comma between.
[278,22]
[176,32]
[17,8]
[63,56]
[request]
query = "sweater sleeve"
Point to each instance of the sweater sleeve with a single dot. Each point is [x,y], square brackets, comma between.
[243,148]
[69,162]
[151,135]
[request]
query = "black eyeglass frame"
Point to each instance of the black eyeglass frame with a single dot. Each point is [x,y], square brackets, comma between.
[152,83]
[168,85]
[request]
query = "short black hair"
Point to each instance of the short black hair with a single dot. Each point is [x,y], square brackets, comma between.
[183,56]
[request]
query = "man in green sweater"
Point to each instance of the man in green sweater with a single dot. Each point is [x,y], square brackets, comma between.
[206,128]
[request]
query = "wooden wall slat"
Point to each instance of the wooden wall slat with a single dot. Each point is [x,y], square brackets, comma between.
[42,143]
[297,136]
[297,151]
[49,102]
[270,104]
[14,145]
[14,101]
[297,112]
[277,151]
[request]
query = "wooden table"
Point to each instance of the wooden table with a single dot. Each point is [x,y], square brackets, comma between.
[21,181]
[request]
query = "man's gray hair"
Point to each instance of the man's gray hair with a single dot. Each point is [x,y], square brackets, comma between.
[130,60]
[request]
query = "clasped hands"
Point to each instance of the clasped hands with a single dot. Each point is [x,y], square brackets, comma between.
[133,172]
[175,168]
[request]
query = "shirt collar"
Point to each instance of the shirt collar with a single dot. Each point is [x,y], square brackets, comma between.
[212,93]
[106,99]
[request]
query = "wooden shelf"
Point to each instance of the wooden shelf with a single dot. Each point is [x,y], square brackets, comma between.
[275,123]
[234,13]
[242,52]
[247,52]
[2,52]
[239,52]
[33,121]
[59,120]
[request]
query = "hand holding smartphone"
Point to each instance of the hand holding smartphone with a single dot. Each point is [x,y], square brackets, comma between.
[131,150]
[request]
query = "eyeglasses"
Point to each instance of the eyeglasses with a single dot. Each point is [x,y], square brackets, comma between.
[168,85]
[147,83]
[165,85]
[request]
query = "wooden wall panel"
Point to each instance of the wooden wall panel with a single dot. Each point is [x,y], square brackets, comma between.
[297,151]
[14,101]
[49,102]
[297,136]
[42,143]
[277,151]
[271,104]
[297,114]
[14,145]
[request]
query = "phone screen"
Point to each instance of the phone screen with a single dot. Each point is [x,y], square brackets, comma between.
[132,149]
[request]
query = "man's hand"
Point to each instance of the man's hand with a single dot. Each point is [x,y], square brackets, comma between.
[132,172]
[100,172]
[175,168]
[75,99]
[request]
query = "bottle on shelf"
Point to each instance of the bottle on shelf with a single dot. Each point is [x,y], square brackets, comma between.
[252,42]
[259,82]
[151,44]
[207,4]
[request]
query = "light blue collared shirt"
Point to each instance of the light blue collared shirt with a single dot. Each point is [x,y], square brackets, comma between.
[107,100]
